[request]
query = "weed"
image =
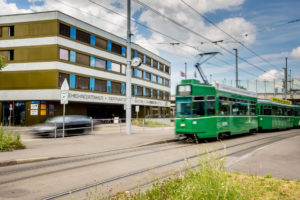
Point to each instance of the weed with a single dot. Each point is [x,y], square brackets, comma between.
[9,141]
[268,176]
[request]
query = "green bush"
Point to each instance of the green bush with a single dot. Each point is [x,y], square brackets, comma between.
[9,141]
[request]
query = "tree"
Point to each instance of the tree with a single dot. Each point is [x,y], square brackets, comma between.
[2,62]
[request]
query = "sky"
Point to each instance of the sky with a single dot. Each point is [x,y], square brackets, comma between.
[264,32]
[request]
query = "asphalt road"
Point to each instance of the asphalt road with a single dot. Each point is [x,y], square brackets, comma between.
[126,169]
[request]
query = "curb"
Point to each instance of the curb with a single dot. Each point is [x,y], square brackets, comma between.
[24,161]
[32,160]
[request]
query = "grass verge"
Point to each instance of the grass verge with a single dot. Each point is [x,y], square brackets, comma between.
[211,181]
[9,141]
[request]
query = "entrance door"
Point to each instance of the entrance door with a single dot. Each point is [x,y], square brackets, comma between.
[17,114]
[5,113]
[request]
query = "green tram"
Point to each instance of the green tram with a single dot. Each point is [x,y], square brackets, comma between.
[207,111]
[272,115]
[212,111]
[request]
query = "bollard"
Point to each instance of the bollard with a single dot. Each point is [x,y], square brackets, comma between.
[120,121]
[55,131]
[143,124]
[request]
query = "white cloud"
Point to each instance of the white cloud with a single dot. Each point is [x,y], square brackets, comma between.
[270,75]
[10,8]
[296,53]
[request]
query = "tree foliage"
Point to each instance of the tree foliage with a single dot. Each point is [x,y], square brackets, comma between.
[2,62]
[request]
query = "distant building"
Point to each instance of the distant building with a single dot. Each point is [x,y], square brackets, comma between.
[42,49]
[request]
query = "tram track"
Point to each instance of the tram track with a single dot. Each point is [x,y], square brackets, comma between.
[83,165]
[275,138]
[84,158]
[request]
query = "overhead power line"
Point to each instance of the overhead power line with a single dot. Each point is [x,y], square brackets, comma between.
[88,13]
[211,22]
[147,27]
[194,32]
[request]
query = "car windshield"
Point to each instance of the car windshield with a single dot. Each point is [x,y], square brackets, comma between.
[183,106]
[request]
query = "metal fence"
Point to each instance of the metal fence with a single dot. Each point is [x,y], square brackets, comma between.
[112,125]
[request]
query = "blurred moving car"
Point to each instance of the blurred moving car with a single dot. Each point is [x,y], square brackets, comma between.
[74,124]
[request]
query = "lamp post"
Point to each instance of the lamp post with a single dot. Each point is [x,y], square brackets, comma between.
[128,71]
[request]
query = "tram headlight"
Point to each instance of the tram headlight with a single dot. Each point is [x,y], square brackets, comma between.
[194,122]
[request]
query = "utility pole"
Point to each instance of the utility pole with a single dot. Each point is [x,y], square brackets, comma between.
[265,85]
[256,85]
[210,77]
[185,70]
[285,79]
[236,69]
[128,71]
[290,82]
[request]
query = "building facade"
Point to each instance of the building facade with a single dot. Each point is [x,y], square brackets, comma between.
[43,49]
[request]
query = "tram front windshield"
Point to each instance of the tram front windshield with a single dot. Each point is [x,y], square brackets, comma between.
[183,106]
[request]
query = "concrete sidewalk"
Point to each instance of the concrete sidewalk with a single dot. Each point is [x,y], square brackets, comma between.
[39,149]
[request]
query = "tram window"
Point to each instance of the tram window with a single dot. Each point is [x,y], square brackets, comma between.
[211,105]
[274,110]
[242,106]
[223,106]
[253,108]
[284,113]
[267,110]
[289,112]
[183,106]
[198,98]
[279,111]
[199,108]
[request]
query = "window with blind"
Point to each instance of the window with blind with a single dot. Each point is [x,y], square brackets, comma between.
[82,83]
[155,63]
[161,67]
[147,76]
[83,36]
[167,82]
[123,69]
[63,54]
[154,93]
[99,63]
[167,69]
[140,55]
[82,59]
[64,30]
[115,67]
[167,96]
[7,54]
[159,80]
[147,92]
[115,88]
[148,60]
[116,48]
[161,95]
[101,43]
[62,77]
[100,85]
[139,91]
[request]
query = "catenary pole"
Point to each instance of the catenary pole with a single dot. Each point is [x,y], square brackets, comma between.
[185,70]
[236,69]
[128,71]
[285,79]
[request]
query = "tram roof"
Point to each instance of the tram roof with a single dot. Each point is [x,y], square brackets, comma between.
[226,88]
[266,101]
